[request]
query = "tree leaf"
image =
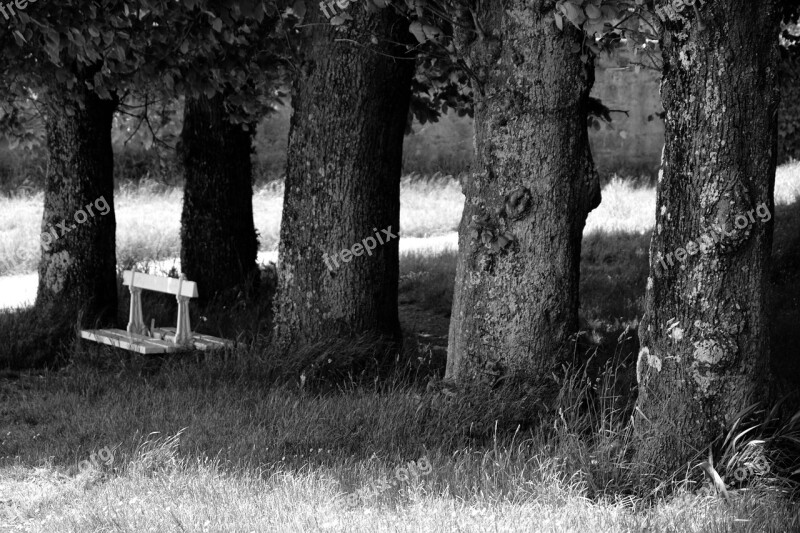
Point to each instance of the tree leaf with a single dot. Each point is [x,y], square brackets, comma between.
[18,37]
[416,29]
[299,8]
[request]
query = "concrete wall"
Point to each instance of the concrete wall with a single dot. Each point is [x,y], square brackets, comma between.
[630,145]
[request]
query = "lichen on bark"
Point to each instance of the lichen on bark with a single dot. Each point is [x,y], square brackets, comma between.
[718,164]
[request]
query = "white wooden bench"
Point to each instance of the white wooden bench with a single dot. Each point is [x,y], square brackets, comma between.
[139,338]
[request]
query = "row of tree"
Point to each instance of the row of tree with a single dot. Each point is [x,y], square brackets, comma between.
[704,344]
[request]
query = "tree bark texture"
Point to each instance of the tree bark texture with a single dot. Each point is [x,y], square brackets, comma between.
[516,293]
[77,271]
[704,337]
[350,105]
[218,237]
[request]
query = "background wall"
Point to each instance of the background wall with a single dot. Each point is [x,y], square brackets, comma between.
[629,145]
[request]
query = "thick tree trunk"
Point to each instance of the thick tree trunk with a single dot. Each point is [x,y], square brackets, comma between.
[704,338]
[77,272]
[516,295]
[343,183]
[218,237]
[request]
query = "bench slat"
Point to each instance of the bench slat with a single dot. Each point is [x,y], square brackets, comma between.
[200,341]
[129,341]
[160,284]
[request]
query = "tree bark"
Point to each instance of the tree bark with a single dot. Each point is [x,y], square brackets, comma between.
[704,337]
[516,293]
[218,236]
[77,271]
[343,182]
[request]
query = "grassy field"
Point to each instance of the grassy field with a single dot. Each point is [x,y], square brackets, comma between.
[216,445]
[233,442]
[148,220]
[148,216]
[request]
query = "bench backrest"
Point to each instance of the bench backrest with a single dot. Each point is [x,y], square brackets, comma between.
[160,284]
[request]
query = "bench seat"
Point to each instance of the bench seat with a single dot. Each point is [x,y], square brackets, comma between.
[133,342]
[141,339]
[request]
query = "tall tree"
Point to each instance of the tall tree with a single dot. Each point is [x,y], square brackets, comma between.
[516,298]
[77,271]
[76,73]
[351,101]
[239,82]
[218,236]
[704,337]
[516,295]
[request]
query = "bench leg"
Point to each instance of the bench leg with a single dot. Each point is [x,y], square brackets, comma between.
[136,321]
[183,332]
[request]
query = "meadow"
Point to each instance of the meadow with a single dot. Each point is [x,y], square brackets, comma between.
[236,442]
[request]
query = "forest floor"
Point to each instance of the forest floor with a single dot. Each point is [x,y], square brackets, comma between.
[216,443]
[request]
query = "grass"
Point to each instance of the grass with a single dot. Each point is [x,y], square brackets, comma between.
[233,442]
[212,444]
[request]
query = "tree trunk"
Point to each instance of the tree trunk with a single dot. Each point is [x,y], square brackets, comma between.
[77,272]
[704,337]
[789,111]
[343,183]
[218,237]
[516,293]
